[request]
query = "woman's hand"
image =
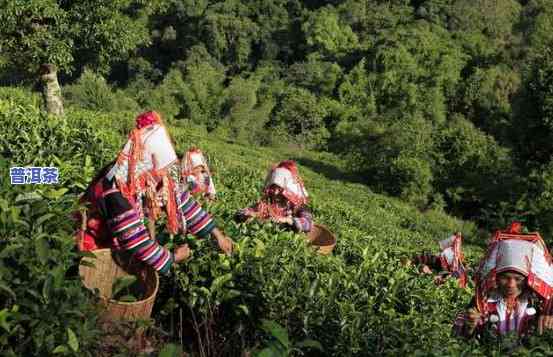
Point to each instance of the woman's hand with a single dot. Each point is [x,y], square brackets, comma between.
[250,213]
[426,269]
[288,220]
[545,322]
[182,253]
[473,317]
[439,279]
[225,243]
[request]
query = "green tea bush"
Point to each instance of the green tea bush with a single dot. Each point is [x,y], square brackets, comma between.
[20,96]
[359,301]
[91,91]
[71,143]
[44,309]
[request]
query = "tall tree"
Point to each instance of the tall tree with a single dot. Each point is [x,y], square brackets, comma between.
[69,35]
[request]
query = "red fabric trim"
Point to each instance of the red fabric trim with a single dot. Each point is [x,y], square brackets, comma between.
[172,222]
[107,192]
[444,264]
[539,286]
[289,165]
[463,280]
[147,119]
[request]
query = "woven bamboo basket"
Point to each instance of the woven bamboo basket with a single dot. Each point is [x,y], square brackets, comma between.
[105,272]
[322,239]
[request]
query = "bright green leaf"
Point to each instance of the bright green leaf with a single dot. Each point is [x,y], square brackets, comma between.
[73,342]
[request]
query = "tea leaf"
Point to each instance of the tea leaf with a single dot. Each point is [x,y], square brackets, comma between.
[268,352]
[87,264]
[127,298]
[4,314]
[5,288]
[60,349]
[277,331]
[311,344]
[121,283]
[28,196]
[43,219]
[170,350]
[73,342]
[42,248]
[47,287]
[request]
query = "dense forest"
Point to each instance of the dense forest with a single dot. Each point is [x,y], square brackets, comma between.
[446,104]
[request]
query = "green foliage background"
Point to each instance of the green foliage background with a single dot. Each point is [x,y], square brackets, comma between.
[445,105]
[359,301]
[441,103]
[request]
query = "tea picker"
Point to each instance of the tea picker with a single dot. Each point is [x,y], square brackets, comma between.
[449,262]
[196,173]
[141,183]
[514,286]
[283,200]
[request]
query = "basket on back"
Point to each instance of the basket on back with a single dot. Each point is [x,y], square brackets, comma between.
[322,239]
[105,272]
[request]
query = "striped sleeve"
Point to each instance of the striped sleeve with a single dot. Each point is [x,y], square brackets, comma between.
[303,220]
[198,221]
[459,325]
[132,235]
[433,261]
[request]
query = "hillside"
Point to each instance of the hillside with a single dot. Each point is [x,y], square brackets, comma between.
[359,301]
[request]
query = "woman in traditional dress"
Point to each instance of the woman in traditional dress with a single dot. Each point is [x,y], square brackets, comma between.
[143,181]
[514,285]
[283,201]
[449,262]
[197,175]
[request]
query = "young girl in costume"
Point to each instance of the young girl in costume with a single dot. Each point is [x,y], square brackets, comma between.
[197,175]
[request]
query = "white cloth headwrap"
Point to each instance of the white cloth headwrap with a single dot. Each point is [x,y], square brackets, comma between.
[527,257]
[196,158]
[522,256]
[158,154]
[283,178]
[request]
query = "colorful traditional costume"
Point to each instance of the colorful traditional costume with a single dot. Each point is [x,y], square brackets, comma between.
[143,180]
[511,251]
[282,180]
[196,174]
[449,260]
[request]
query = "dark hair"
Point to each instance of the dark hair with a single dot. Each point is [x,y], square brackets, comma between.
[100,175]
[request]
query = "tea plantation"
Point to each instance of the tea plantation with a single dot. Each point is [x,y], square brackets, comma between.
[274,296]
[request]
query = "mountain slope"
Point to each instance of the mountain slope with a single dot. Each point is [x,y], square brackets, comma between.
[358,301]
